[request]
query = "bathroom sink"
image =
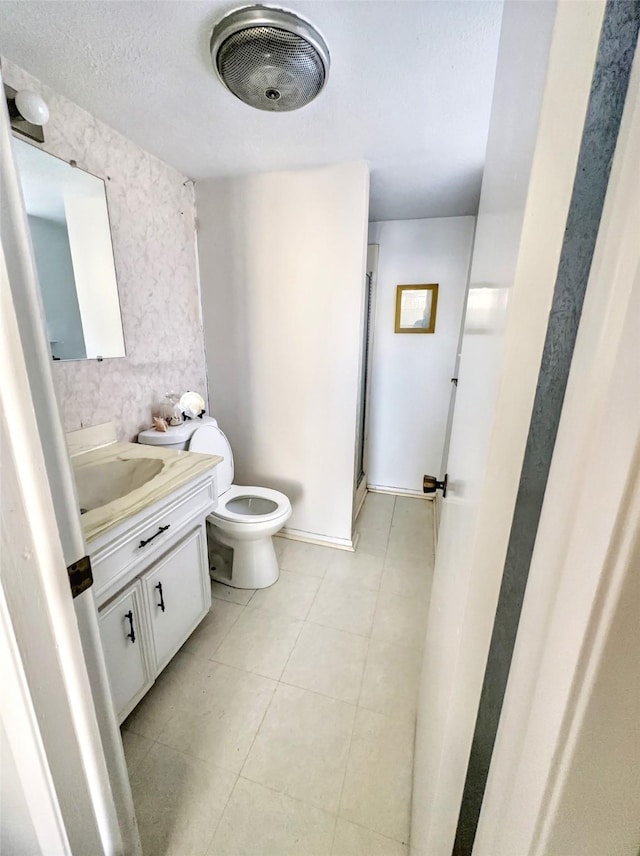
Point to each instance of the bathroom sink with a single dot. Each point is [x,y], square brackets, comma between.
[100,484]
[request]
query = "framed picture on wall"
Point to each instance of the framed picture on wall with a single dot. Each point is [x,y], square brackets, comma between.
[416,308]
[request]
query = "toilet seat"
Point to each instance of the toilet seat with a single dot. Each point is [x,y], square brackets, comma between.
[240,529]
[243,513]
[208,439]
[261,504]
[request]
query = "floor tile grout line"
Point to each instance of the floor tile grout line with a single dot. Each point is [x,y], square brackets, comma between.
[210,658]
[208,765]
[346,768]
[340,629]
[393,514]
[333,836]
[232,625]
[289,683]
[228,600]
[243,671]
[344,778]
[255,736]
[280,682]
[392,724]
[153,743]
[303,574]
[355,586]
[364,670]
[217,826]
[311,605]
[212,763]
[274,615]
[304,621]
[375,832]
[318,693]
[293,648]
[282,614]
[375,611]
[288,796]
[402,722]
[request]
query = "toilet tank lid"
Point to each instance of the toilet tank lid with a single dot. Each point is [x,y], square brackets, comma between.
[175,433]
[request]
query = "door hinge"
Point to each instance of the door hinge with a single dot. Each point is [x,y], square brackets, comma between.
[80,576]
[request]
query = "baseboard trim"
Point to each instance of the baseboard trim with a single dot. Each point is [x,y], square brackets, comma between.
[348,544]
[360,500]
[399,491]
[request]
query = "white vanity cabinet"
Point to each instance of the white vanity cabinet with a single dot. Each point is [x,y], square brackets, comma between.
[178,594]
[152,588]
[125,651]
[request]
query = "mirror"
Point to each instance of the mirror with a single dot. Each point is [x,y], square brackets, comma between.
[69,224]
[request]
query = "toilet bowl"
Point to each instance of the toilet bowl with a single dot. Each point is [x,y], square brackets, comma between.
[241,527]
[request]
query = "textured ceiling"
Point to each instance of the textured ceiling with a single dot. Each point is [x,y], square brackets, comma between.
[409,90]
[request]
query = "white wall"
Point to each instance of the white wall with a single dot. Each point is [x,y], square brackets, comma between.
[282,259]
[411,375]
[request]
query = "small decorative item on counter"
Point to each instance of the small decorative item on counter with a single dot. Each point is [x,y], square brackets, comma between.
[159,424]
[165,408]
[170,409]
[175,416]
[192,405]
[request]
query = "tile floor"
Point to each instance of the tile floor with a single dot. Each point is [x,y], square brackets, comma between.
[285,724]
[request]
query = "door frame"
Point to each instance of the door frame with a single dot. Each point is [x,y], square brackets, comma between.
[57,637]
[581,566]
[58,739]
[437,499]
[371,270]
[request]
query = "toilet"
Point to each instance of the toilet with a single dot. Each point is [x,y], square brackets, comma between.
[240,529]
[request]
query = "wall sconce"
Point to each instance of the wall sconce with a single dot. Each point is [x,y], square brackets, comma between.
[28,112]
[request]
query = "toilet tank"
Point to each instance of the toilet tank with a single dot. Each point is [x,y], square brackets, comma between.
[176,437]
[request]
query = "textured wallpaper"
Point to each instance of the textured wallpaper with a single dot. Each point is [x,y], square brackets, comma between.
[152,214]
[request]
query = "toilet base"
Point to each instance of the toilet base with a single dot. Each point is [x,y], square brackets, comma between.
[241,564]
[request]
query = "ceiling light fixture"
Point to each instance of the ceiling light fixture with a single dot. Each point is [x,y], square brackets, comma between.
[268,58]
[28,112]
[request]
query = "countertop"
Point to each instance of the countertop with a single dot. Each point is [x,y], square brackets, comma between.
[178,469]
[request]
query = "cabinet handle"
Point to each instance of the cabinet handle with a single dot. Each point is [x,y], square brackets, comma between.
[132,634]
[159,532]
[161,604]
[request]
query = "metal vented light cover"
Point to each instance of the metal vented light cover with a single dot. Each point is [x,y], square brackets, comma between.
[269,58]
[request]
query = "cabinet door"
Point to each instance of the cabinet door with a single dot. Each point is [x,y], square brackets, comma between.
[123,643]
[178,595]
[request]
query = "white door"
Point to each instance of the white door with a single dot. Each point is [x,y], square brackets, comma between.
[565,771]
[178,595]
[545,65]
[123,643]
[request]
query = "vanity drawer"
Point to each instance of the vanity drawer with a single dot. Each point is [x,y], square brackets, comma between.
[145,537]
